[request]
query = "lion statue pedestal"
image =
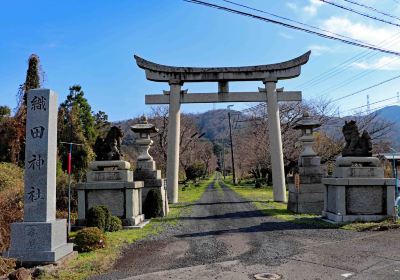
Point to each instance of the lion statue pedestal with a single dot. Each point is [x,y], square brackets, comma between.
[358,191]
[109,182]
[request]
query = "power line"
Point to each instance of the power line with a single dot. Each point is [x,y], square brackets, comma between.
[372,9]
[288,19]
[328,74]
[378,108]
[338,69]
[254,108]
[210,5]
[376,102]
[360,13]
[355,78]
[233,11]
[367,88]
[265,12]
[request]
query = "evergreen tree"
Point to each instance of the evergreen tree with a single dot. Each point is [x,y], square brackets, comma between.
[5,112]
[32,79]
[13,129]
[101,123]
[5,133]
[76,124]
[76,101]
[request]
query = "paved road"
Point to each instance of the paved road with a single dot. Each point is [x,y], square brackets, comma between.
[225,237]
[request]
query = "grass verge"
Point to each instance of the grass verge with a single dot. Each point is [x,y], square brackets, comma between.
[262,199]
[99,261]
[372,226]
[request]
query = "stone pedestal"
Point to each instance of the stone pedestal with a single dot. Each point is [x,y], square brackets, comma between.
[358,191]
[110,183]
[146,172]
[306,192]
[40,238]
[146,167]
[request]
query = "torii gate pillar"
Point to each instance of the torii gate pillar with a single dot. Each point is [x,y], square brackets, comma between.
[174,127]
[274,128]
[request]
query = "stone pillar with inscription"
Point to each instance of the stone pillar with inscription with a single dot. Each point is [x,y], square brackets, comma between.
[40,238]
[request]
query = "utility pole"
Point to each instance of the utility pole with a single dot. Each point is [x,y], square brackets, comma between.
[223,158]
[394,169]
[230,136]
[69,169]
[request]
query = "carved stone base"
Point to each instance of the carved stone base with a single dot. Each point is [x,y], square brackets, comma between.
[308,196]
[39,242]
[362,197]
[146,171]
[111,184]
[133,221]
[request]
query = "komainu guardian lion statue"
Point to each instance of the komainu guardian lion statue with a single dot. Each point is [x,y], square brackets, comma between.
[109,148]
[356,145]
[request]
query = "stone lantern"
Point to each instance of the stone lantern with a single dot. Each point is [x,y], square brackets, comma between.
[306,192]
[146,167]
[143,142]
[307,125]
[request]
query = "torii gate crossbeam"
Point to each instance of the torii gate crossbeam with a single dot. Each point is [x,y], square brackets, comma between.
[269,74]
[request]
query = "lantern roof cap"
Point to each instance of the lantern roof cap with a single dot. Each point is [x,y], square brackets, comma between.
[143,126]
[307,122]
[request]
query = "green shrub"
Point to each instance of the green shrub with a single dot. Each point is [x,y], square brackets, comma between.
[152,205]
[89,239]
[115,224]
[195,170]
[96,217]
[107,217]
[258,184]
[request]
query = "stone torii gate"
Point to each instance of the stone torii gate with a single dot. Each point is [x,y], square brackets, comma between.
[268,74]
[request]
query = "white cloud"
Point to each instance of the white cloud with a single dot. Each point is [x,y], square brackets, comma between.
[384,63]
[386,37]
[312,8]
[292,6]
[286,36]
[318,50]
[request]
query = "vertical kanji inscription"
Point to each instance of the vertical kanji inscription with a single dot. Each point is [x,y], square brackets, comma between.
[40,156]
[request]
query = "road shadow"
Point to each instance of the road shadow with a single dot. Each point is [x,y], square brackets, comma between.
[183,205]
[307,223]
[233,215]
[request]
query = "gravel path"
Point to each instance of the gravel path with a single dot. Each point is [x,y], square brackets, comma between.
[225,237]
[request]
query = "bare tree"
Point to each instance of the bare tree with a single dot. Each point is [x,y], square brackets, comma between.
[192,148]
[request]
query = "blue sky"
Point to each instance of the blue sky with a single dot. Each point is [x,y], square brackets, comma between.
[92,43]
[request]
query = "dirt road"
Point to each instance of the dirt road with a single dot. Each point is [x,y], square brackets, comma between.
[225,237]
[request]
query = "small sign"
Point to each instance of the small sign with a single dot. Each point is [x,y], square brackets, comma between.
[297,181]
